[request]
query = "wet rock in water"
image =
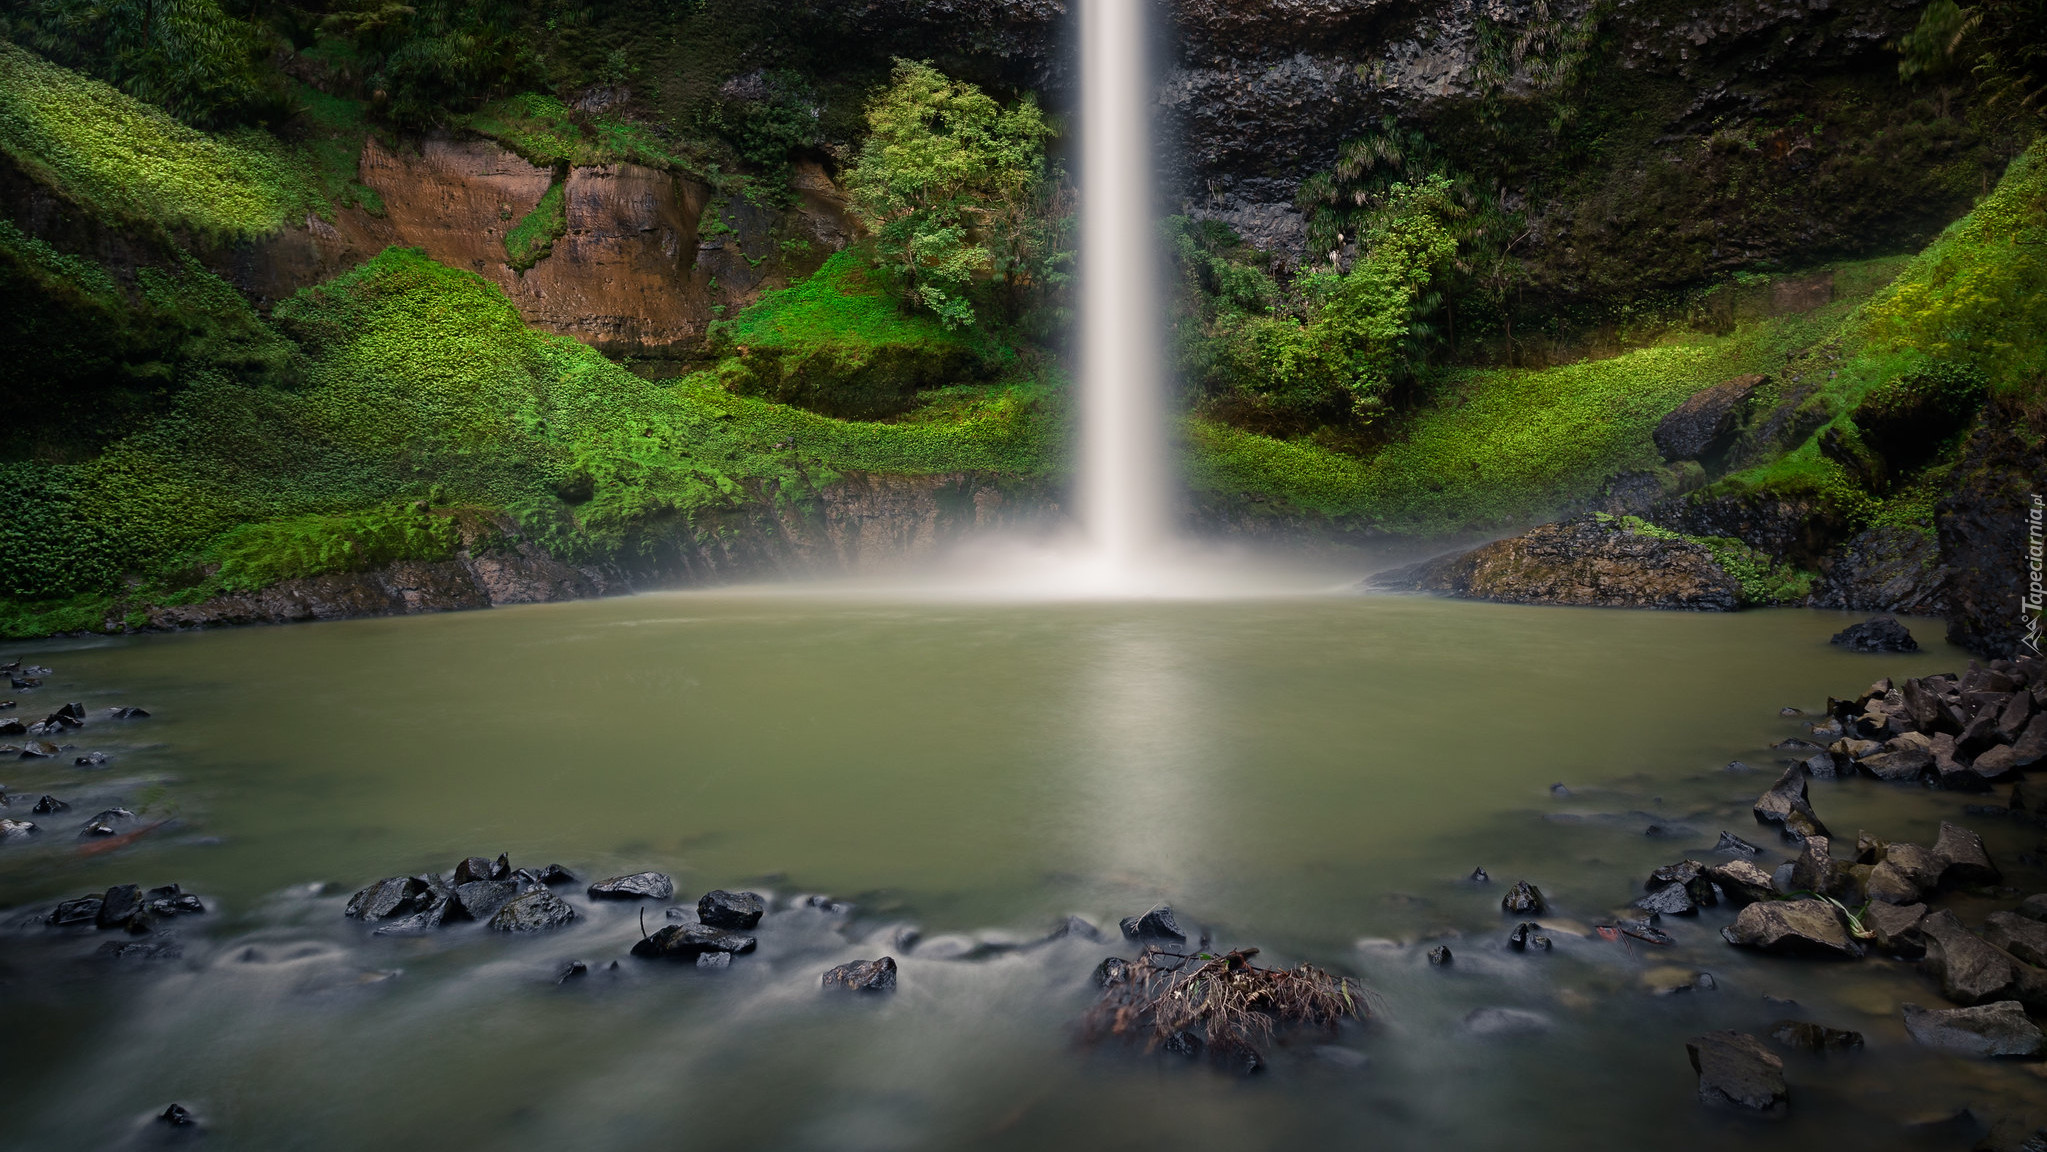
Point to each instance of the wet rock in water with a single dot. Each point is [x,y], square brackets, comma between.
[1903,874]
[49,805]
[1816,870]
[2033,907]
[555,874]
[1076,928]
[1741,882]
[1527,935]
[739,910]
[139,950]
[1737,766]
[1736,1071]
[573,970]
[1523,898]
[1669,900]
[106,823]
[1729,842]
[92,760]
[39,750]
[1809,1037]
[23,683]
[84,910]
[1341,1056]
[1971,970]
[1898,767]
[1895,929]
[1439,956]
[1963,859]
[394,896]
[714,960]
[1995,766]
[1678,981]
[128,712]
[1591,561]
[177,1116]
[1986,1030]
[864,976]
[688,941]
[1480,876]
[2024,938]
[1691,876]
[1789,711]
[1645,931]
[535,911]
[1876,634]
[481,899]
[17,829]
[1558,790]
[1786,806]
[1505,1022]
[119,906]
[475,868]
[638,886]
[440,907]
[1113,970]
[171,900]
[1793,927]
[1157,924]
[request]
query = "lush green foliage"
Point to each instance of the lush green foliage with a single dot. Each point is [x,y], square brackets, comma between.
[185,56]
[428,61]
[256,556]
[1763,581]
[546,132]
[533,237]
[949,181]
[131,163]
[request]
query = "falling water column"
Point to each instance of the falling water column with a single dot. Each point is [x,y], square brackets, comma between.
[1123,459]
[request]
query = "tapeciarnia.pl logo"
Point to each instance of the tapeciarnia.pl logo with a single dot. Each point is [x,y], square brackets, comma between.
[2036,561]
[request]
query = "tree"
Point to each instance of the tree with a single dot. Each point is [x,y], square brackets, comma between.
[949,181]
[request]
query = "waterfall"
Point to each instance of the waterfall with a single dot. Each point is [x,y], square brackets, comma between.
[1122,468]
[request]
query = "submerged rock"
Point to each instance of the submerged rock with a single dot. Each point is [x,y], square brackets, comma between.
[92,760]
[638,886]
[1439,956]
[1157,924]
[139,950]
[1526,935]
[84,910]
[50,805]
[863,976]
[1736,1071]
[739,910]
[1809,1037]
[1986,1030]
[128,712]
[535,911]
[1506,1022]
[1077,928]
[1876,634]
[1794,927]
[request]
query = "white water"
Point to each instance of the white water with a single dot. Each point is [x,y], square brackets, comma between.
[1122,482]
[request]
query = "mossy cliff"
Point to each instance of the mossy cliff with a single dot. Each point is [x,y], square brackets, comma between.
[602,300]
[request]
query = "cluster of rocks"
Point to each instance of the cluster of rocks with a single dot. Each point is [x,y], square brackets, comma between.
[491,891]
[1964,733]
[39,746]
[128,908]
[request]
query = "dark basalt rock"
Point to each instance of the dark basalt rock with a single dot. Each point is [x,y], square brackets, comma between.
[535,911]
[1903,874]
[1669,900]
[688,941]
[573,970]
[476,868]
[395,896]
[1076,928]
[714,960]
[555,874]
[139,950]
[863,976]
[119,906]
[1970,970]
[1480,876]
[17,829]
[1729,842]
[1113,970]
[1963,859]
[11,727]
[638,886]
[1816,870]
[738,910]
[1986,1030]
[1877,634]
[2034,907]
[1439,957]
[1809,1037]
[39,750]
[1526,935]
[128,712]
[1523,898]
[1900,766]
[1590,561]
[1793,927]
[1736,1071]
[480,899]
[439,908]
[1705,424]
[177,1116]
[1786,806]
[1157,924]
[84,910]
[92,760]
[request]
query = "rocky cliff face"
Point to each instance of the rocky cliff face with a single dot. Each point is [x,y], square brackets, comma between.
[1986,531]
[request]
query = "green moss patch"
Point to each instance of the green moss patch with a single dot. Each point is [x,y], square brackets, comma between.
[533,237]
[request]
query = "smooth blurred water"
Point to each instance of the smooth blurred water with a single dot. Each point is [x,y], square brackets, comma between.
[1312,774]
